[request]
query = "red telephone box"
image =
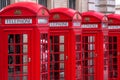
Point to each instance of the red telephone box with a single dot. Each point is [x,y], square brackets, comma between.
[94,45]
[114,47]
[24,44]
[65,44]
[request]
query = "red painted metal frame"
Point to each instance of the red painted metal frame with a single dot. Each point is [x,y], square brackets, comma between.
[95,18]
[114,31]
[31,11]
[69,32]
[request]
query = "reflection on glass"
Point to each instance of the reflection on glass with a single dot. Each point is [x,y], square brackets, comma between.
[62,66]
[56,48]
[62,75]
[17,38]
[90,62]
[17,69]
[91,70]
[61,39]
[91,54]
[10,59]
[17,59]
[62,48]
[11,69]
[56,66]
[10,49]
[17,77]
[25,59]
[91,77]
[17,50]
[10,38]
[56,39]
[10,78]
[61,57]
[78,38]
[25,78]
[25,48]
[25,38]
[25,69]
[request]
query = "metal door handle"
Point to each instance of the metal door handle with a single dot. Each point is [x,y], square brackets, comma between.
[66,57]
[29,59]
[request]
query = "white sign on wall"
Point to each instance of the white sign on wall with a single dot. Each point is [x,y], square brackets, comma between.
[90,26]
[18,21]
[58,24]
[76,23]
[113,27]
[42,21]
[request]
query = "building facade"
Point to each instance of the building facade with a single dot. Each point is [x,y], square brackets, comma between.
[104,6]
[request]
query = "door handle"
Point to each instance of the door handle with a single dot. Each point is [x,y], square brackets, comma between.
[29,59]
[66,57]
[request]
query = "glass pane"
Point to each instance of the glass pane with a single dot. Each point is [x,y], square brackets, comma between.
[78,47]
[78,38]
[17,38]
[56,39]
[91,70]
[77,56]
[17,59]
[25,59]
[62,66]
[62,48]
[61,39]
[91,77]
[56,57]
[25,69]
[17,69]
[10,59]
[10,78]
[90,62]
[17,77]
[17,49]
[25,38]
[61,57]
[25,78]
[11,69]
[62,75]
[56,48]
[11,38]
[56,66]
[25,48]
[10,49]
[56,75]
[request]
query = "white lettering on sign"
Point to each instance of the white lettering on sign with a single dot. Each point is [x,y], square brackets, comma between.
[76,23]
[18,21]
[113,27]
[89,26]
[56,24]
[42,21]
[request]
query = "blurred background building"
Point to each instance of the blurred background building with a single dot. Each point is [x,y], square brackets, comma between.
[104,6]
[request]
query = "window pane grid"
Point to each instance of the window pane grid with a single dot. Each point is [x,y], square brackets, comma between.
[88,55]
[44,56]
[57,57]
[15,57]
[113,62]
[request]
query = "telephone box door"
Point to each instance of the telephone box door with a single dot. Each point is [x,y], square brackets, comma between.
[113,65]
[58,56]
[17,46]
[88,56]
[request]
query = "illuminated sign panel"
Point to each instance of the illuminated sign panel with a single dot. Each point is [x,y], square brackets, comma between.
[90,26]
[58,24]
[18,21]
[113,27]
[42,21]
[76,23]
